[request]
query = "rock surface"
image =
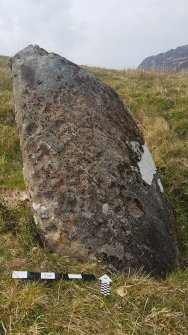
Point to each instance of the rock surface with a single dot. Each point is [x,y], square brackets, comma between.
[174,59]
[93,185]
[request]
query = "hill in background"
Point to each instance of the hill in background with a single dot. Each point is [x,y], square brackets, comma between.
[138,305]
[174,59]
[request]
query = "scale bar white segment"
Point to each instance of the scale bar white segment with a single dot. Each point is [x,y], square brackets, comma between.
[47,275]
[74,276]
[19,274]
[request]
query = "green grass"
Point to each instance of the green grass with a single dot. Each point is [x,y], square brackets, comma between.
[5,78]
[10,156]
[138,305]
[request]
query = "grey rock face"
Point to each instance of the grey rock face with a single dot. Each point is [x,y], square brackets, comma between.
[94,188]
[174,59]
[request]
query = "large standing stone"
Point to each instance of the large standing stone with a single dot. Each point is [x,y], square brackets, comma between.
[94,187]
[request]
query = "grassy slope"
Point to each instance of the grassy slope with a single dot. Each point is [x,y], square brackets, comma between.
[137,305]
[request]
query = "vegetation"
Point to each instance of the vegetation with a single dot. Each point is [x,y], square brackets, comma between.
[138,305]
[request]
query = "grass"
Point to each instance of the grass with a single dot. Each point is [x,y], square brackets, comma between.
[138,305]
[10,156]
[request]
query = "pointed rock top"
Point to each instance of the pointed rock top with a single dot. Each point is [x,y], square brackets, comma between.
[32,49]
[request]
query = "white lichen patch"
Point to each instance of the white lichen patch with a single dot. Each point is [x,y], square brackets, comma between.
[160,185]
[42,210]
[135,146]
[134,169]
[146,165]
[105,209]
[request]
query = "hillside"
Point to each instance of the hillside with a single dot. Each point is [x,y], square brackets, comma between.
[138,305]
[174,59]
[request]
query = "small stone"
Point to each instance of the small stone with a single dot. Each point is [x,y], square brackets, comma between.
[24,197]
[36,206]
[121,291]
